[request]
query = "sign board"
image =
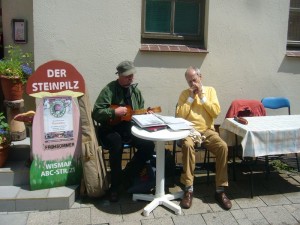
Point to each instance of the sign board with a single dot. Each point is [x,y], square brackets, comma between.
[55,78]
[56,134]
[56,144]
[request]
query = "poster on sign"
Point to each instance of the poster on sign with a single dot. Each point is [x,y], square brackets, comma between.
[56,134]
[58,119]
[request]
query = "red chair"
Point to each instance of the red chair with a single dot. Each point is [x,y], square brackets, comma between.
[244,108]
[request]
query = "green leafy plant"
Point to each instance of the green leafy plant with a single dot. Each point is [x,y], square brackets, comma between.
[17,64]
[4,130]
[280,166]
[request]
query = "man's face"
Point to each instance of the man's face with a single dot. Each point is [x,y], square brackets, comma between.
[125,81]
[192,78]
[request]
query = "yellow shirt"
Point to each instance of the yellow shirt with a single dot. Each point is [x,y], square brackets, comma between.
[202,114]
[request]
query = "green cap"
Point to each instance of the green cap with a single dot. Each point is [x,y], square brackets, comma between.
[125,68]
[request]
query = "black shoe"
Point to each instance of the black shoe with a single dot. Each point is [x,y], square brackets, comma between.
[113,196]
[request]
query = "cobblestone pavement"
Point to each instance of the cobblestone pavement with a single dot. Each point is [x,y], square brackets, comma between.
[276,201]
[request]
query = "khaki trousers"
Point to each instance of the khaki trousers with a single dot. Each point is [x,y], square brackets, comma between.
[215,145]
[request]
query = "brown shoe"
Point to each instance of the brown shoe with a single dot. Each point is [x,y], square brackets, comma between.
[223,200]
[186,201]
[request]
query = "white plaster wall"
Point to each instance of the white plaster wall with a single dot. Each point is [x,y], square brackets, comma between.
[246,41]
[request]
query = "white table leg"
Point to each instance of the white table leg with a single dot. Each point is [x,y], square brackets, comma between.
[160,169]
[160,198]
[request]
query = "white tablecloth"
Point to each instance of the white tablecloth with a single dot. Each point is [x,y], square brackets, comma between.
[264,135]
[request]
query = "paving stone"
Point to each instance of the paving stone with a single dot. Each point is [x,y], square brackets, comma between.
[158,221]
[7,205]
[249,202]
[189,220]
[31,204]
[8,192]
[31,200]
[275,199]
[44,218]
[294,197]
[270,205]
[123,223]
[277,215]
[162,211]
[198,206]
[219,218]
[248,216]
[294,210]
[134,211]
[14,219]
[108,214]
[216,207]
[80,216]
[244,222]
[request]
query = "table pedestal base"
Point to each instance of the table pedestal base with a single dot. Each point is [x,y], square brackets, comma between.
[162,200]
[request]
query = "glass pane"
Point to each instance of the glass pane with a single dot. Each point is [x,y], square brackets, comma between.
[295,4]
[294,24]
[158,16]
[186,18]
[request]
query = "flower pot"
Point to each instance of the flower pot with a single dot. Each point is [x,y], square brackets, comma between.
[12,88]
[3,154]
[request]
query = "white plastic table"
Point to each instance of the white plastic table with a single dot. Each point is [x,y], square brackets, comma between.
[160,198]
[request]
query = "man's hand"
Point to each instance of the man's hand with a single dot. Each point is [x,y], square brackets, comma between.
[195,89]
[120,111]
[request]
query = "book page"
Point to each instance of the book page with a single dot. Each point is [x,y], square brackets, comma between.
[179,126]
[173,120]
[147,120]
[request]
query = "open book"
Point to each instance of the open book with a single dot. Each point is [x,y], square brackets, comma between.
[151,120]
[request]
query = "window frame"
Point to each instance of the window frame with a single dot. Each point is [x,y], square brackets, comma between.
[172,37]
[292,44]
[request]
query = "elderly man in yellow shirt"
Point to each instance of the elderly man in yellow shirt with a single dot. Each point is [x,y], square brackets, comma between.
[199,104]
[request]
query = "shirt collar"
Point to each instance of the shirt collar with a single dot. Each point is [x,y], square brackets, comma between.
[203,90]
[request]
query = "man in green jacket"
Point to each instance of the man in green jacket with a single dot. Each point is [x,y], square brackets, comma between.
[113,109]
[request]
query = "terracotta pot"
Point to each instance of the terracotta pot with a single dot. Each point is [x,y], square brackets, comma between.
[12,88]
[3,154]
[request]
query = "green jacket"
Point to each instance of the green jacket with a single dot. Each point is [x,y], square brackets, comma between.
[112,94]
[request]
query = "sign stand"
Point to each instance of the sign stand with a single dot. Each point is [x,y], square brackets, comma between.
[56,137]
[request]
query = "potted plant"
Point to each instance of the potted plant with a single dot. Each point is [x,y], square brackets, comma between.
[5,139]
[14,72]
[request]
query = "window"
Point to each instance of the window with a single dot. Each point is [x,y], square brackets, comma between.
[293,42]
[178,22]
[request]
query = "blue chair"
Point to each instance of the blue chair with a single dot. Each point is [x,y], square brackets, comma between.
[278,103]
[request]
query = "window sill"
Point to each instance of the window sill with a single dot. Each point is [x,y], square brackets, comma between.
[171,48]
[293,53]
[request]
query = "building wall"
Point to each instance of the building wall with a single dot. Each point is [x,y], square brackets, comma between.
[18,9]
[246,41]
